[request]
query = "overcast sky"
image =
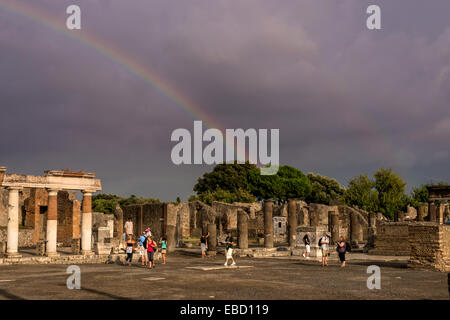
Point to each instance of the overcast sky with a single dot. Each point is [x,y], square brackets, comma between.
[347,100]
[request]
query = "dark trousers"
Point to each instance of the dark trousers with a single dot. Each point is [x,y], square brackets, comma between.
[129,257]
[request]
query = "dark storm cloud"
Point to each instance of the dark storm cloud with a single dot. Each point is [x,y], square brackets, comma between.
[346,99]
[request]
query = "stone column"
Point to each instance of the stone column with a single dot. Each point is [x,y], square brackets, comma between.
[52,222]
[440,213]
[334,226]
[431,212]
[268,224]
[420,213]
[13,223]
[171,241]
[212,239]
[86,224]
[242,228]
[372,219]
[356,229]
[292,222]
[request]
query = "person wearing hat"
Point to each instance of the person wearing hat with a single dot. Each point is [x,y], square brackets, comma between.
[324,243]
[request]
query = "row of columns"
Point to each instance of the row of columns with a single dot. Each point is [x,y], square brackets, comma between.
[52,222]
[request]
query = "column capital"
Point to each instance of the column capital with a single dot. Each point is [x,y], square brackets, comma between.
[15,188]
[2,169]
[87,192]
[52,191]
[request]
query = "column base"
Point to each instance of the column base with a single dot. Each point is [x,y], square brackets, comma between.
[87,252]
[52,254]
[13,255]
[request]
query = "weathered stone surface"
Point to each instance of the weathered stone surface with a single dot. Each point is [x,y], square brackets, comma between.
[392,239]
[242,229]
[430,245]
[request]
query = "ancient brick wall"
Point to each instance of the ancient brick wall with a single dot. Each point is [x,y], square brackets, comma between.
[146,216]
[430,245]
[392,239]
[25,237]
[3,207]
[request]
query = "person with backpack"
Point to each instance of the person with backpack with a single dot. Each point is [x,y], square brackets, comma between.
[151,249]
[142,249]
[342,249]
[163,242]
[229,242]
[323,244]
[307,241]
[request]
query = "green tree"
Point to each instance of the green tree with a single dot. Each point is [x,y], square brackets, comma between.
[361,193]
[391,192]
[287,183]
[225,196]
[228,177]
[324,189]
[107,203]
[419,196]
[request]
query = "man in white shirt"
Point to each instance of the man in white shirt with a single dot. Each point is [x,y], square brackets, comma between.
[324,243]
[128,227]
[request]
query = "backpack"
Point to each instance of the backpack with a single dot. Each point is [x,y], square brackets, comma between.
[319,243]
[145,243]
[348,247]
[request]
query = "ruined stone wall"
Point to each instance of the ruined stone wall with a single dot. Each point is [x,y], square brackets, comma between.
[146,216]
[3,207]
[25,237]
[68,227]
[280,233]
[392,239]
[183,212]
[227,214]
[430,245]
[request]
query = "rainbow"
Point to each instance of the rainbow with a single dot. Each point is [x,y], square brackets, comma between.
[114,54]
[143,72]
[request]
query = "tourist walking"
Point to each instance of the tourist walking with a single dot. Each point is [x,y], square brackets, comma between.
[142,249]
[342,249]
[163,243]
[151,249]
[307,241]
[130,249]
[229,242]
[204,244]
[324,243]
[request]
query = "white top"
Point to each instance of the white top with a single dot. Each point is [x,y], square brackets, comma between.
[128,227]
[324,241]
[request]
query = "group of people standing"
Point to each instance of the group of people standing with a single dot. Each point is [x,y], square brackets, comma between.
[146,245]
[342,247]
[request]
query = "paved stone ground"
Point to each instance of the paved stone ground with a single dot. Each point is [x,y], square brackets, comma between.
[265,278]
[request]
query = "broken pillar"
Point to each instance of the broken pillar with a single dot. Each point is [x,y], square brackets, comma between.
[268,225]
[292,222]
[242,228]
[356,228]
[334,226]
[421,213]
[431,212]
[440,213]
[212,239]
[372,219]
